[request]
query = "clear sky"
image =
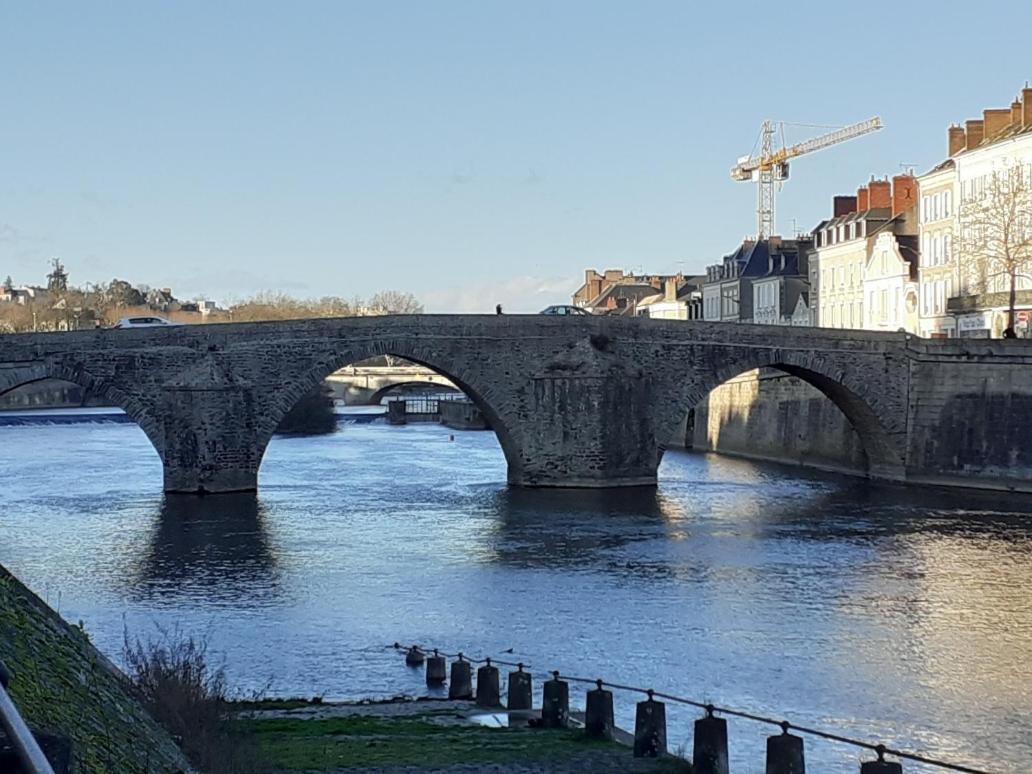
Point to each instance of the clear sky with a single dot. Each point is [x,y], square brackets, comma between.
[470,152]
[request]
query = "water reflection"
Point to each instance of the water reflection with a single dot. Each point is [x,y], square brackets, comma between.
[216,549]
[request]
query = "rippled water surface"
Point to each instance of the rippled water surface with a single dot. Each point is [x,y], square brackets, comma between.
[883,613]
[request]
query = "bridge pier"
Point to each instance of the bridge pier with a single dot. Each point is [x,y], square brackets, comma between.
[211,440]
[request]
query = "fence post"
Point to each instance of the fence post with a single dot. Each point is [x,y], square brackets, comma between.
[461,684]
[881,766]
[709,754]
[785,753]
[488,693]
[414,656]
[555,704]
[650,728]
[435,670]
[520,690]
[598,714]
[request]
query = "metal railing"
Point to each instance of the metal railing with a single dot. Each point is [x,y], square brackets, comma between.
[879,749]
[25,746]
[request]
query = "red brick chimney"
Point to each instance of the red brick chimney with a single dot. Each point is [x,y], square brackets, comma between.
[957,140]
[881,194]
[1016,114]
[995,121]
[844,205]
[1026,107]
[975,132]
[904,193]
[863,200]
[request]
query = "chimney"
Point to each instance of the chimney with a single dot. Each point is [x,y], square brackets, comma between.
[670,289]
[975,132]
[1016,114]
[880,194]
[904,193]
[844,205]
[996,120]
[1026,107]
[958,140]
[863,201]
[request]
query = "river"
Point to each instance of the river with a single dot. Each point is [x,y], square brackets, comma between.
[895,615]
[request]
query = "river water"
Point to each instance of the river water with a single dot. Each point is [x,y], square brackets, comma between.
[902,616]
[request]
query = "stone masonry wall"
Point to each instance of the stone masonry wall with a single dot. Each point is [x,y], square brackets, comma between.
[767,414]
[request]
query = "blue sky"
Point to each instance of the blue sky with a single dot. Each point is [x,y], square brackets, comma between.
[470,152]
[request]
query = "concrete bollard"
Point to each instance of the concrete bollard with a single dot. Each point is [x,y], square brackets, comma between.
[709,754]
[488,691]
[785,753]
[555,703]
[435,670]
[461,684]
[521,693]
[650,729]
[414,657]
[598,714]
[880,766]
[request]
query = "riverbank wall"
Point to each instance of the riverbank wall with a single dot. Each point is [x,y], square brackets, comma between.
[769,415]
[64,686]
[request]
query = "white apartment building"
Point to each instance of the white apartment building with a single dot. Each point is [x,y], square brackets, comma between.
[953,301]
[847,257]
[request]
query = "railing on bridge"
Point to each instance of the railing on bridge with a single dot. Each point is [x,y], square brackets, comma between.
[419,408]
[19,737]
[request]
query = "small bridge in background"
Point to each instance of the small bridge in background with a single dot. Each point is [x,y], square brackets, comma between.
[367,385]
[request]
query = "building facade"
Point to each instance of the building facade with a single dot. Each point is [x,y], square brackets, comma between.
[760,282]
[844,253]
[961,295]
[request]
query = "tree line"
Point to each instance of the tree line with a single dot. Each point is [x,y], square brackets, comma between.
[62,306]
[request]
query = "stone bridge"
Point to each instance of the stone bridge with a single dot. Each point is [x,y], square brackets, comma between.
[367,385]
[575,402]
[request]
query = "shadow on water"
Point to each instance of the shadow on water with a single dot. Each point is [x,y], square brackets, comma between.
[571,528]
[216,548]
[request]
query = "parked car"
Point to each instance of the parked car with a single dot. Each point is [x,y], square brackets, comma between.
[564,309]
[144,322]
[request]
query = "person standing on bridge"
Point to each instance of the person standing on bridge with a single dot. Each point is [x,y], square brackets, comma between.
[498,308]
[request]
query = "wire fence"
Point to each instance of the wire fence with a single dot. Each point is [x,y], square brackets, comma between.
[711,709]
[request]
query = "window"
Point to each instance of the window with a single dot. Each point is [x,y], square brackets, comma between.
[946,257]
[860,229]
[947,203]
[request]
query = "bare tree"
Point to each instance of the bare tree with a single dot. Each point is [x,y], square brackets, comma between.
[394,302]
[995,234]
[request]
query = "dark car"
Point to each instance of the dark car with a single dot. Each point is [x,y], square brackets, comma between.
[564,309]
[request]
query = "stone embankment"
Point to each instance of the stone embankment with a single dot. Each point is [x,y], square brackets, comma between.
[64,686]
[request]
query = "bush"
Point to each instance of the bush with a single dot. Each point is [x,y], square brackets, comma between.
[188,697]
[312,415]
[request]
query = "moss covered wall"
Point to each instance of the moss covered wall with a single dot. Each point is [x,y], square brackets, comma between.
[63,685]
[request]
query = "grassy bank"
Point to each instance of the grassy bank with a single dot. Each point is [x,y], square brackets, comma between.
[292,737]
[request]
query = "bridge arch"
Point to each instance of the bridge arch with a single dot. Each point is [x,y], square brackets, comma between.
[376,397]
[864,409]
[134,408]
[455,366]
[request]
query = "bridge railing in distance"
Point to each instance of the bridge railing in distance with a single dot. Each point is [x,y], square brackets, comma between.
[710,747]
[30,756]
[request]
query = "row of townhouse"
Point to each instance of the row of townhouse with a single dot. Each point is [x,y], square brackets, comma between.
[917,254]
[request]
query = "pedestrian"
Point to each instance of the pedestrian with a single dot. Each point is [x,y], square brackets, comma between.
[498,308]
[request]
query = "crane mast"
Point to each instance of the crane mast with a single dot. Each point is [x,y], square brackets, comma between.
[770,167]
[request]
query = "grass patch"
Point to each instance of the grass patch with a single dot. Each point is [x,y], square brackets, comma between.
[363,740]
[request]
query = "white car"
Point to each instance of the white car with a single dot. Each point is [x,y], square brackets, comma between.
[144,322]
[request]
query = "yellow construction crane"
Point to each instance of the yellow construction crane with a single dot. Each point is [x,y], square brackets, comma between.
[771,166]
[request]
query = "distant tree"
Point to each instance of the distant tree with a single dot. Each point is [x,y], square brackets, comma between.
[394,302]
[312,415]
[122,293]
[995,235]
[57,280]
[8,283]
